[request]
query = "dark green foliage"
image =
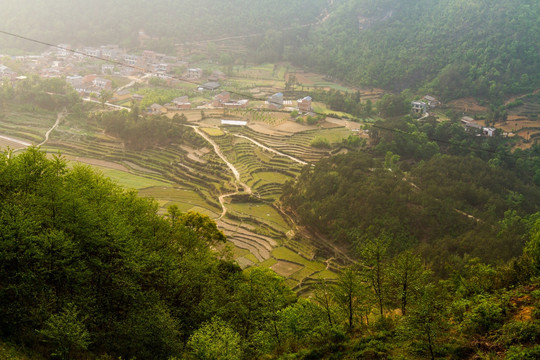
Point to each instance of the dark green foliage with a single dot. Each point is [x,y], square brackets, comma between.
[85,264]
[523,353]
[451,204]
[147,132]
[481,48]
[36,93]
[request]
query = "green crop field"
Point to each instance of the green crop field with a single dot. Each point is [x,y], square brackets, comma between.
[130,181]
[213,131]
[261,212]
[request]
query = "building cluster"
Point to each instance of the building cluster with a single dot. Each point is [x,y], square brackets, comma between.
[87,68]
[422,106]
[276,102]
[471,125]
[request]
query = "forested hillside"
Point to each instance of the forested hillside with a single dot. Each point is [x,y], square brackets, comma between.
[90,271]
[454,48]
[457,195]
[79,22]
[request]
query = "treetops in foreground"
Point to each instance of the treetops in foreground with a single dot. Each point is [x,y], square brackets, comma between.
[89,270]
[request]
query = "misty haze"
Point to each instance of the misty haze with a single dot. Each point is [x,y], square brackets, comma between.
[265,179]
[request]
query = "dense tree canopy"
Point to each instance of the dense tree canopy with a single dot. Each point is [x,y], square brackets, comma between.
[454,48]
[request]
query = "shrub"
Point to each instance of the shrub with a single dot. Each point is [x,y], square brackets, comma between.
[519,332]
[320,142]
[523,353]
[486,316]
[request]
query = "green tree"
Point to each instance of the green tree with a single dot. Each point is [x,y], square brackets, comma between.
[426,321]
[407,276]
[374,267]
[532,248]
[66,331]
[215,340]
[348,291]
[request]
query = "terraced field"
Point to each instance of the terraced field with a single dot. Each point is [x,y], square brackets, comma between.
[195,178]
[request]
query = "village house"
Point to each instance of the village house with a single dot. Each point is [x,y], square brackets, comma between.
[102,83]
[240,104]
[62,50]
[137,97]
[275,101]
[6,73]
[156,109]
[210,86]
[419,107]
[131,59]
[92,52]
[221,99]
[304,104]
[107,68]
[74,80]
[471,125]
[194,73]
[110,51]
[432,102]
[182,102]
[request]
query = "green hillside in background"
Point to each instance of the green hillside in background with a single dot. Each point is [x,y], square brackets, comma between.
[454,48]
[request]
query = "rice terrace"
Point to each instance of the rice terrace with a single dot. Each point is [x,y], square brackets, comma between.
[231,173]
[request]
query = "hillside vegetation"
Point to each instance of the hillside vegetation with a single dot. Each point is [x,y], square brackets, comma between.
[100,22]
[88,270]
[454,48]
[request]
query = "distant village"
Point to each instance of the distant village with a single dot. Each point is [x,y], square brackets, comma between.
[86,70]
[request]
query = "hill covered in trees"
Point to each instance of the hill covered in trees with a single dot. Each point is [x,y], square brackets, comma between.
[454,48]
[90,271]
[100,22]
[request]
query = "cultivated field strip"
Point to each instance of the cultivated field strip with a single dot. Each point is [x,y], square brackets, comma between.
[296,145]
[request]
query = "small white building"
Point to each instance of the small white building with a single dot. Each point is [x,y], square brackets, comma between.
[419,107]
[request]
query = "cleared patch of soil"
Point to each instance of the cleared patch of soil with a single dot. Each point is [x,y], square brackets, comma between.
[293,127]
[194,154]
[467,105]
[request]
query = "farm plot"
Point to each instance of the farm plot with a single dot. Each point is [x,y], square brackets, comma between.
[297,269]
[26,126]
[262,215]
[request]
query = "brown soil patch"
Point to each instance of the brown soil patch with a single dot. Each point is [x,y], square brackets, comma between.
[524,314]
[285,268]
[467,105]
[512,117]
[518,125]
[195,154]
[329,125]
[293,127]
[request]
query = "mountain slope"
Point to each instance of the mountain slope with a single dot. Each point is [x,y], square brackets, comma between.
[453,47]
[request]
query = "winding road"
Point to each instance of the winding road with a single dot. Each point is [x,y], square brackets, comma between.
[270,149]
[59,117]
[246,188]
[217,150]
